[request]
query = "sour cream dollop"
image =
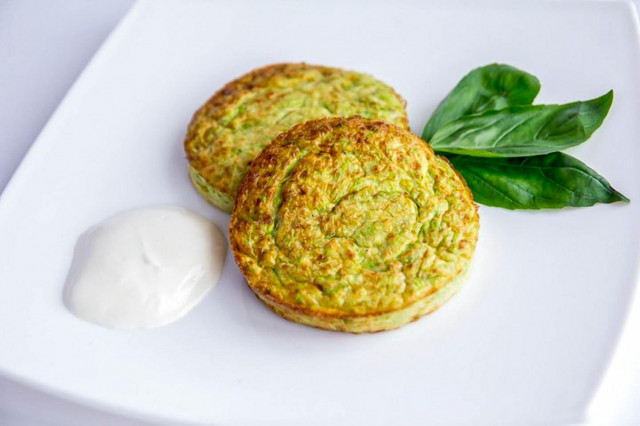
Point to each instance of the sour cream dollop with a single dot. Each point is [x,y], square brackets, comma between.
[144,268]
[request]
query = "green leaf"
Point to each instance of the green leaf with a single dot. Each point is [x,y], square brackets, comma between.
[547,181]
[493,86]
[518,131]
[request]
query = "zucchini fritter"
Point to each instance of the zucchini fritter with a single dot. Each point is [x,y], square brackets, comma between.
[352,225]
[228,131]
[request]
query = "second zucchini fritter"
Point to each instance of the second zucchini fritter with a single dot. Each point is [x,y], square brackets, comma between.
[229,131]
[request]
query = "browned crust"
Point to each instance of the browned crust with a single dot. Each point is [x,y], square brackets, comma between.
[235,89]
[335,323]
[462,179]
[278,306]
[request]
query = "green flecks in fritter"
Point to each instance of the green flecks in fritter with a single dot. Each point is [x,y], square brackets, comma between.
[225,139]
[352,230]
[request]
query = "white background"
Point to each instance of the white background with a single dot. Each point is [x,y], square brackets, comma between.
[44,45]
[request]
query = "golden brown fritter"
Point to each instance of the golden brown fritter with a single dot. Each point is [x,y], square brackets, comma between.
[352,225]
[229,131]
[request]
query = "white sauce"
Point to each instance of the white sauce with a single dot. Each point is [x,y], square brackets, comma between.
[144,268]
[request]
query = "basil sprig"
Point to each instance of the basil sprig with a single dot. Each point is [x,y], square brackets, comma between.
[548,181]
[507,149]
[523,130]
[490,87]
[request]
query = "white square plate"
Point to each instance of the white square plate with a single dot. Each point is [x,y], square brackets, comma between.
[526,340]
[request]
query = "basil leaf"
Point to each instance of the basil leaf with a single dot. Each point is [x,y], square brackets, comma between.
[493,86]
[518,131]
[548,181]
